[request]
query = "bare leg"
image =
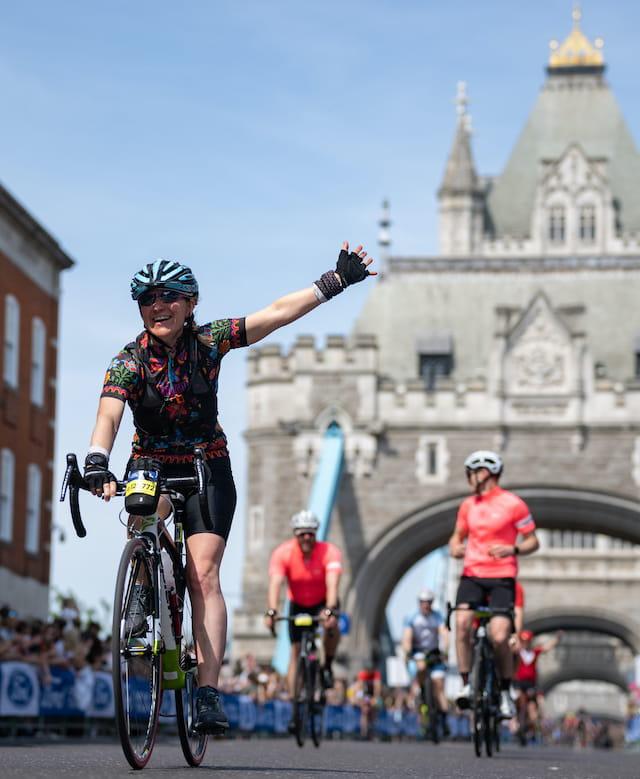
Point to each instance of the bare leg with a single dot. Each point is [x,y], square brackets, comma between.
[204,555]
[438,693]
[291,672]
[464,620]
[500,634]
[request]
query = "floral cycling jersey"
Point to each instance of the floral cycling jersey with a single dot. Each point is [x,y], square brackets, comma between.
[172,374]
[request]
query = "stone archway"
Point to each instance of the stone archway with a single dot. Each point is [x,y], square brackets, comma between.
[584,673]
[414,535]
[592,620]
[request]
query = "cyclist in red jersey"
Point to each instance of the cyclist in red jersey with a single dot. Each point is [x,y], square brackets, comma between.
[525,679]
[486,535]
[312,570]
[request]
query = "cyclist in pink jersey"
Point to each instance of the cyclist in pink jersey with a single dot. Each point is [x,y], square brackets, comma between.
[312,570]
[493,527]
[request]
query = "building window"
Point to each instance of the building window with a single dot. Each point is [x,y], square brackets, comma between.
[11,340]
[433,365]
[38,350]
[587,224]
[556,224]
[34,494]
[7,477]
[432,460]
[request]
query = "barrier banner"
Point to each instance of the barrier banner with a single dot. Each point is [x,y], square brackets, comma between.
[266,717]
[102,704]
[411,724]
[282,711]
[168,705]
[19,690]
[247,712]
[58,699]
[231,705]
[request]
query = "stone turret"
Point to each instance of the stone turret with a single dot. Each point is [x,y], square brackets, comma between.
[461,196]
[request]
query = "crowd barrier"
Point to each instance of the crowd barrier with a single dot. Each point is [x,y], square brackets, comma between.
[89,694]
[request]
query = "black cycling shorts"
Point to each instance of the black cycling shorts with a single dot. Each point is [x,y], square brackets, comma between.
[221,496]
[496,593]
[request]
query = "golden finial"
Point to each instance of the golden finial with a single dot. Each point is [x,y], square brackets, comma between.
[576,51]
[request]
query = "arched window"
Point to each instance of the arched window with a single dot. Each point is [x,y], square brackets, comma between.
[557,224]
[587,226]
[11,340]
[34,494]
[38,350]
[7,479]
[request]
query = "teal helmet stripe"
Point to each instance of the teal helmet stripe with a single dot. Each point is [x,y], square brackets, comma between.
[167,274]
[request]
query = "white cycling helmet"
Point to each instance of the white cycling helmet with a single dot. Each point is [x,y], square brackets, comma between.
[483,458]
[305,520]
[426,595]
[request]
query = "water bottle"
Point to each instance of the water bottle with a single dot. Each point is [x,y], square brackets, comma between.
[141,493]
[172,674]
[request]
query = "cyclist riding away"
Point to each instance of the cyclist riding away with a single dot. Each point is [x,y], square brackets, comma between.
[169,377]
[424,636]
[493,527]
[312,570]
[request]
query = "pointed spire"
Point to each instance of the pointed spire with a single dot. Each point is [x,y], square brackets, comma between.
[384,236]
[460,173]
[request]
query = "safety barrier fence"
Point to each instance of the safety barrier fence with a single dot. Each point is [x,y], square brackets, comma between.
[83,702]
[88,695]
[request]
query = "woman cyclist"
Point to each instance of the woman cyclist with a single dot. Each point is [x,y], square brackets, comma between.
[169,378]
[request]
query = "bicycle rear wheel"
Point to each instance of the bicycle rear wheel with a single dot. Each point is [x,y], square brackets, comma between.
[300,707]
[193,744]
[316,703]
[136,666]
[477,685]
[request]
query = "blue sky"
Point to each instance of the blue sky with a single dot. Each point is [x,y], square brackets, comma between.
[249,138]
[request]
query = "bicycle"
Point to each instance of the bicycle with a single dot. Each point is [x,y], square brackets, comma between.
[153,647]
[308,699]
[429,712]
[485,680]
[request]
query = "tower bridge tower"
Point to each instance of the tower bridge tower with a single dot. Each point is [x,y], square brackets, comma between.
[523,335]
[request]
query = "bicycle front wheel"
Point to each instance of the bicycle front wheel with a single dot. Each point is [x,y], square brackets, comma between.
[193,744]
[136,666]
[300,703]
[477,685]
[316,700]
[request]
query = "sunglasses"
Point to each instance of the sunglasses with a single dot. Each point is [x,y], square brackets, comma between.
[163,295]
[304,534]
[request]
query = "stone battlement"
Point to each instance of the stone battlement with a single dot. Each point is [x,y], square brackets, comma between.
[340,354]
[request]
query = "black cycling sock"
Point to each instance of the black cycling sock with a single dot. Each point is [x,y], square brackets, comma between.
[505,684]
[328,661]
[465,678]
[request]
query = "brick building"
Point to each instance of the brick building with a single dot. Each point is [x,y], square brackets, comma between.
[30,265]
